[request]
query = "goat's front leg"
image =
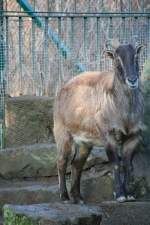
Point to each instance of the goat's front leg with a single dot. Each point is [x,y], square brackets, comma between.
[82,153]
[113,156]
[129,148]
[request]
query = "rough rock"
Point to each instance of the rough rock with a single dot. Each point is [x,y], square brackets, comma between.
[94,188]
[29,120]
[97,186]
[52,214]
[129,213]
[28,161]
[142,175]
[28,192]
[38,160]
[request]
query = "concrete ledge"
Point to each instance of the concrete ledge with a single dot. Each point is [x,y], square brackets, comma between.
[52,214]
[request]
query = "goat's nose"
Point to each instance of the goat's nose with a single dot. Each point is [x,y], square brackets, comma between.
[132,81]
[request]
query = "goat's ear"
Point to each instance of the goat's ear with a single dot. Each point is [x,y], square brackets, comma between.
[109,53]
[139,48]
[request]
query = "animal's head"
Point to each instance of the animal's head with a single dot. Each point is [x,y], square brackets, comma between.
[125,59]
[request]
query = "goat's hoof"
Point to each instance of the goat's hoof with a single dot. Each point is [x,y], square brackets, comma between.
[121,199]
[64,198]
[81,202]
[66,201]
[77,200]
[130,198]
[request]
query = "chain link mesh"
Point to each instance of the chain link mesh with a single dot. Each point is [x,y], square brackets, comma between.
[82,6]
[36,65]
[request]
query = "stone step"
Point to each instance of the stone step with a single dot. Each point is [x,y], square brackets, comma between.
[52,214]
[106,213]
[28,192]
[46,190]
[38,160]
[131,213]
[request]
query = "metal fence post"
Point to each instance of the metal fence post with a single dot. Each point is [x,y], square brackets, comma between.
[2,79]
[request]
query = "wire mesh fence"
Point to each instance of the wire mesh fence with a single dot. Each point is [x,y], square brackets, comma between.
[41,50]
[40,60]
[82,6]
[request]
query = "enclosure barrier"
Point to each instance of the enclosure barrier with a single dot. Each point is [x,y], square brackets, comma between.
[91,6]
[2,79]
[36,64]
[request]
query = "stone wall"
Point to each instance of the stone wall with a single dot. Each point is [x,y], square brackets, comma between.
[29,120]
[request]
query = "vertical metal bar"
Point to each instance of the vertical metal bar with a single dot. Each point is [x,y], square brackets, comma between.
[143,8]
[48,6]
[110,28]
[34,83]
[5,5]
[135,30]
[34,4]
[62,6]
[59,55]
[75,5]
[130,5]
[89,5]
[7,54]
[119,29]
[148,38]
[20,53]
[102,6]
[125,28]
[110,34]
[46,55]
[121,6]
[85,41]
[72,43]
[2,77]
[98,45]
[124,31]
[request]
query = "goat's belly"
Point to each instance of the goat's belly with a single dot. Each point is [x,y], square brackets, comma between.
[79,139]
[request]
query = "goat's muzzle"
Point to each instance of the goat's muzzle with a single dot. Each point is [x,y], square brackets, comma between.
[132,84]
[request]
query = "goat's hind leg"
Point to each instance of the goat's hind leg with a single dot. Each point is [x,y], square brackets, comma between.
[82,153]
[64,153]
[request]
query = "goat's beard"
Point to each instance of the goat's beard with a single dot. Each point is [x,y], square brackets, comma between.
[134,94]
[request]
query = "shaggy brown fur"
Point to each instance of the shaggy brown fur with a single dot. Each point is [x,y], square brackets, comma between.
[95,108]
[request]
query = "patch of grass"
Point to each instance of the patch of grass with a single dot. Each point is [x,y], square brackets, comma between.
[11,219]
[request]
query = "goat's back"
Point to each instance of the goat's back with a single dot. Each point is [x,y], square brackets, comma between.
[81,101]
